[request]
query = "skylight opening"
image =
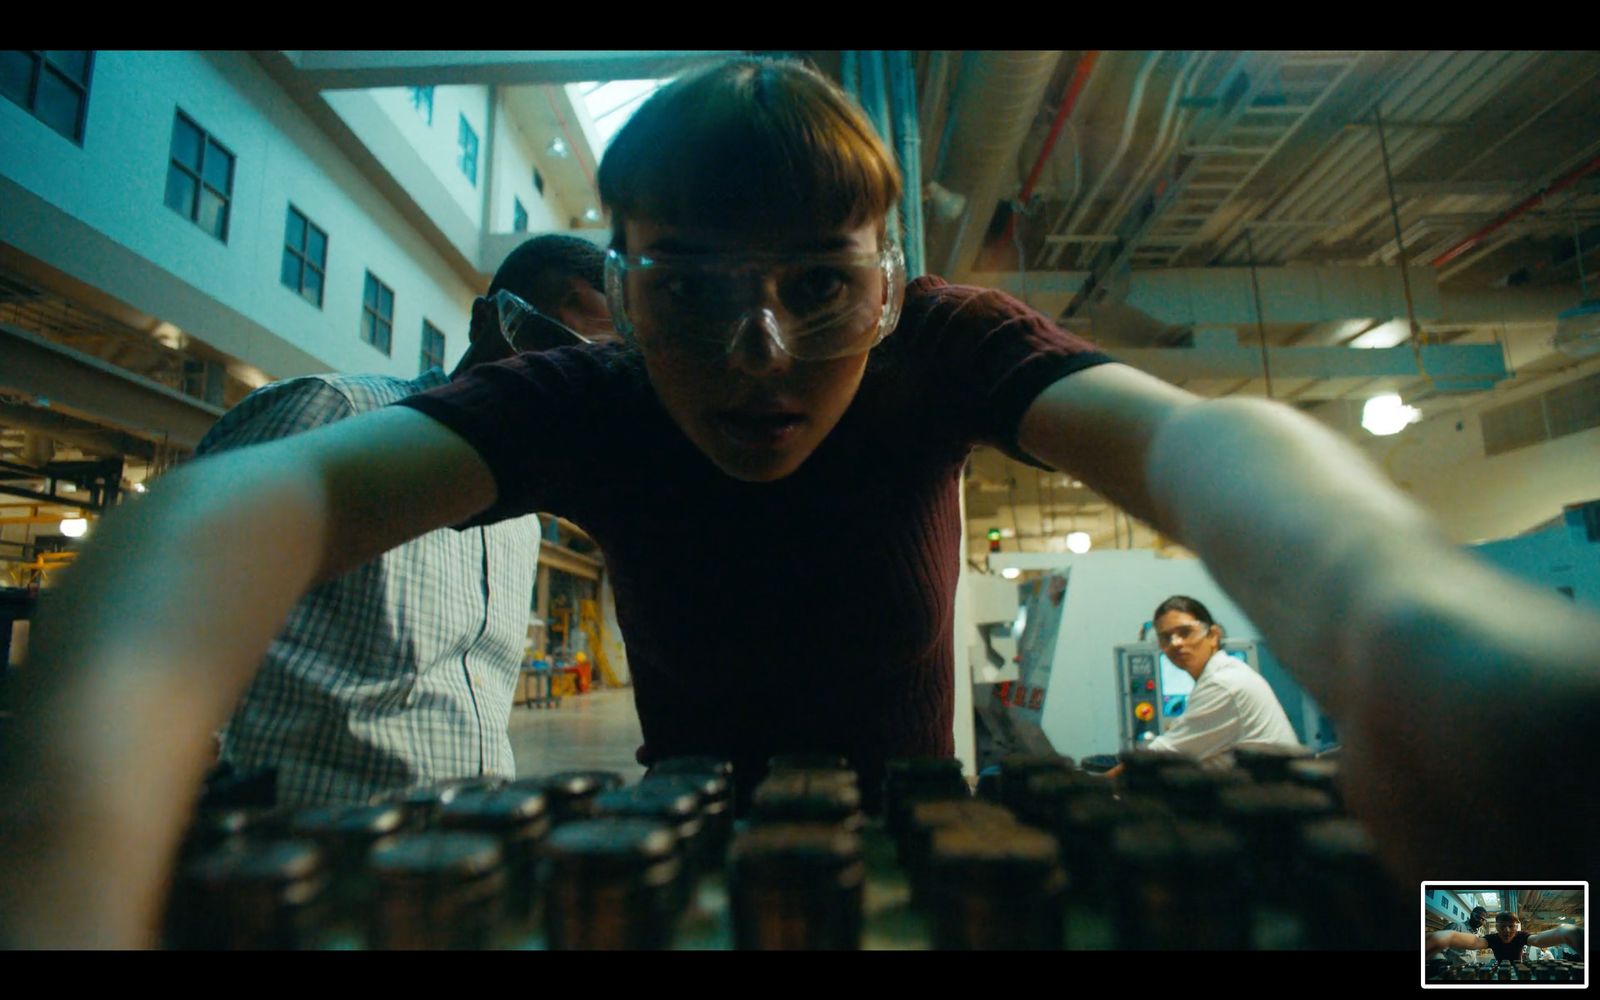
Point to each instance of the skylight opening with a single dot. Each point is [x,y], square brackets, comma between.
[611,103]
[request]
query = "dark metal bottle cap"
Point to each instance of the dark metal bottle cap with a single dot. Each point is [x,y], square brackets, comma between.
[569,795]
[272,862]
[574,784]
[1046,794]
[349,822]
[1140,767]
[1192,790]
[968,812]
[1018,857]
[493,808]
[784,849]
[707,786]
[669,802]
[250,895]
[450,856]
[610,845]
[694,765]
[1269,763]
[214,827]
[806,797]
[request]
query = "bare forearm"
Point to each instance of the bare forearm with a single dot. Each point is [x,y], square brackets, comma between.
[1566,934]
[137,657]
[153,636]
[1404,638]
[1440,940]
[1293,522]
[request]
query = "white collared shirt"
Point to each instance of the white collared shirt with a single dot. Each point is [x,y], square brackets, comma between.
[1231,706]
[401,671]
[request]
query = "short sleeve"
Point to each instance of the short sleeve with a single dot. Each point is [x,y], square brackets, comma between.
[276,411]
[536,420]
[988,356]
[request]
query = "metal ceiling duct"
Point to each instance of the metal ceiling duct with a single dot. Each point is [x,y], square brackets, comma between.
[997,99]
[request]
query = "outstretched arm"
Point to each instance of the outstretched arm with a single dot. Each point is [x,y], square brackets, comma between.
[1440,940]
[1566,934]
[154,634]
[1404,638]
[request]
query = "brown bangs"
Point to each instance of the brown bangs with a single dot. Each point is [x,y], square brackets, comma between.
[749,144]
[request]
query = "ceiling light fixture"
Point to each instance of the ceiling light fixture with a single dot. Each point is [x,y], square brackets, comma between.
[557,148]
[1011,572]
[1386,414]
[592,214]
[1079,542]
[139,487]
[74,527]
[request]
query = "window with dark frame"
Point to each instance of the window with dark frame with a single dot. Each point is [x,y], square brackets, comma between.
[519,216]
[432,346]
[52,86]
[305,257]
[469,151]
[377,314]
[422,100]
[199,177]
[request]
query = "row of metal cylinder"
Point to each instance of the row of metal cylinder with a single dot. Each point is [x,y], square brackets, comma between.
[1541,971]
[574,859]
[1171,856]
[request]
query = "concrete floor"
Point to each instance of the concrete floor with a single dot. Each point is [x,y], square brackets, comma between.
[598,731]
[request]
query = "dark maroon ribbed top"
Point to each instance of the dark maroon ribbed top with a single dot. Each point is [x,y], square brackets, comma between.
[809,614]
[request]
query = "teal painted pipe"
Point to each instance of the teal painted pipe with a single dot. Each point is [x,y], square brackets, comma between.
[908,147]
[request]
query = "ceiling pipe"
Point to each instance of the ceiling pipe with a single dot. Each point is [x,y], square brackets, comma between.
[932,106]
[1333,180]
[1522,208]
[1130,121]
[1161,149]
[874,83]
[908,147]
[1000,93]
[1436,84]
[1228,233]
[1080,76]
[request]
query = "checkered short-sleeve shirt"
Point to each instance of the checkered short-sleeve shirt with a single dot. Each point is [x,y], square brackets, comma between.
[402,671]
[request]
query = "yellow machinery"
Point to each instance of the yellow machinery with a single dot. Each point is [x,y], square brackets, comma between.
[590,624]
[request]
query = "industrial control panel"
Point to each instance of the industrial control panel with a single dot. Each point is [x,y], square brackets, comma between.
[1152,692]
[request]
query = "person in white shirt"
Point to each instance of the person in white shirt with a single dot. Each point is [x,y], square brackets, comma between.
[1231,705]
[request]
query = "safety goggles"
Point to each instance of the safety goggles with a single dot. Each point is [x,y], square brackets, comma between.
[527,329]
[1183,633]
[813,307]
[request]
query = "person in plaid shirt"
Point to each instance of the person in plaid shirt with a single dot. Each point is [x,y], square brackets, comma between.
[402,671]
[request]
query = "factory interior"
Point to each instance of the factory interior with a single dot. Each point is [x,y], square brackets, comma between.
[1399,245]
